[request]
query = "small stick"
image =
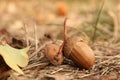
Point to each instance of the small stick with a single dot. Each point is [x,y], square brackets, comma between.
[26,35]
[36,38]
[56,71]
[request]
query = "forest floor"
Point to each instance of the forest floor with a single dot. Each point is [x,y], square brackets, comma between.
[24,23]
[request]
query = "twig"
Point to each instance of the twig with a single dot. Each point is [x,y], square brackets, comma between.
[26,34]
[56,71]
[36,38]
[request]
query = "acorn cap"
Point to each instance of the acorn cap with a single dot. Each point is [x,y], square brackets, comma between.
[69,45]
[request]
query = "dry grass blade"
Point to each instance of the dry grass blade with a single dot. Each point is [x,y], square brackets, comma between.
[116,24]
[36,38]
[41,47]
[42,65]
[56,71]
[109,59]
[87,75]
[26,34]
[97,20]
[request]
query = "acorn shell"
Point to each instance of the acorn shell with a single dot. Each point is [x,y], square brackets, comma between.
[79,52]
[51,52]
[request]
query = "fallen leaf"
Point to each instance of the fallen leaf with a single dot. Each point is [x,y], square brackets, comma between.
[14,58]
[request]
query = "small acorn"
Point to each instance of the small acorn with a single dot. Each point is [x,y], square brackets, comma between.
[54,54]
[78,51]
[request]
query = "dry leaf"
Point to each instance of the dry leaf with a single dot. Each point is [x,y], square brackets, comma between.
[14,57]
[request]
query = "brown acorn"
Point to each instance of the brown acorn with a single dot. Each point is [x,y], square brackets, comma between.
[62,8]
[54,54]
[78,51]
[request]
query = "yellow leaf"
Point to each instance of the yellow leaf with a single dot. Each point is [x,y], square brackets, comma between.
[14,57]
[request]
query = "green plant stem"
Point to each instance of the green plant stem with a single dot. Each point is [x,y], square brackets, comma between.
[97,20]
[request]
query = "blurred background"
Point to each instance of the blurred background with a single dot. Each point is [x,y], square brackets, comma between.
[81,14]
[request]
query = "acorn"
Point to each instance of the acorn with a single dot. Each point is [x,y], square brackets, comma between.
[53,53]
[78,51]
[62,8]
